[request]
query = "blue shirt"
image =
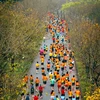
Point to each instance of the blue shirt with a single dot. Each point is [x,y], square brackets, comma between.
[73,98]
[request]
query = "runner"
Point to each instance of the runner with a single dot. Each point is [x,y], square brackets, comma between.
[77,84]
[32,89]
[69,85]
[22,96]
[73,98]
[41,51]
[59,85]
[63,91]
[37,81]
[70,94]
[31,79]
[41,91]
[51,75]
[44,39]
[27,97]
[73,82]
[67,75]
[52,82]
[56,98]
[42,70]
[44,78]
[58,76]
[48,66]
[77,94]
[52,95]
[36,97]
[42,60]
[26,78]
[37,66]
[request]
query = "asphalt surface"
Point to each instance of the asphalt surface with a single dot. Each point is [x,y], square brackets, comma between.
[32,71]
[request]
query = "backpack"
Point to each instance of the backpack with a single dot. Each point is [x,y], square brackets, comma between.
[32,89]
[27,98]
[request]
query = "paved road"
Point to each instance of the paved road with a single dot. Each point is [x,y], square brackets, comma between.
[47,90]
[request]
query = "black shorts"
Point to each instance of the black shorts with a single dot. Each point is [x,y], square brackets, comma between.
[44,82]
[57,70]
[70,67]
[37,84]
[31,81]
[43,73]
[48,69]
[77,87]
[55,77]
[70,97]
[32,92]
[69,88]
[62,94]
[65,61]
[52,85]
[50,57]
[53,41]
[42,63]
[73,83]
[37,68]
[77,98]
[40,92]
[62,68]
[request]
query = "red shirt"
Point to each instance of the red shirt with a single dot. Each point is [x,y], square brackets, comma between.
[40,88]
[62,91]
[35,98]
[53,39]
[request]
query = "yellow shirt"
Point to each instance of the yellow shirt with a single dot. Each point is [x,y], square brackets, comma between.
[37,65]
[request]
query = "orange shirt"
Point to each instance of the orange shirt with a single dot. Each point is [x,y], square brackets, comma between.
[44,78]
[70,65]
[57,76]
[42,59]
[66,83]
[50,46]
[77,83]
[62,64]
[77,93]
[67,75]
[57,60]
[58,67]
[69,83]
[70,60]
[62,79]
[53,94]
[73,79]
[59,82]
[37,80]
[70,93]
[26,78]
[31,77]
[48,65]
[65,57]
[43,71]
[55,73]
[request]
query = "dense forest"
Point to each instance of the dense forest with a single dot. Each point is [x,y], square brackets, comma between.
[22,29]
[84,25]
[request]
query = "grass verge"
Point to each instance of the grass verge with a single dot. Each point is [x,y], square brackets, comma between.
[85,84]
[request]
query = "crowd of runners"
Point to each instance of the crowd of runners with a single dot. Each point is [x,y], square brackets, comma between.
[59,69]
